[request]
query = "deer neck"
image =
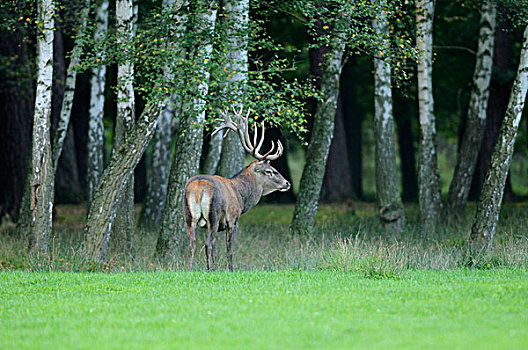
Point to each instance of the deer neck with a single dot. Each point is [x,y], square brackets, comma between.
[247,188]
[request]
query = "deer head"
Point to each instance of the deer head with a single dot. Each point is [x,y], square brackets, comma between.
[267,176]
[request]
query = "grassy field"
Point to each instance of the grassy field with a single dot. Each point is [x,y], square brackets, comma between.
[347,285]
[459,309]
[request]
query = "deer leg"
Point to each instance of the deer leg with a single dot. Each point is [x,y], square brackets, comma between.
[212,226]
[214,251]
[191,232]
[230,237]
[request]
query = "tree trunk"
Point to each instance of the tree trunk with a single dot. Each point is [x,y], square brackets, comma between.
[403,117]
[113,183]
[69,89]
[387,189]
[186,159]
[489,205]
[41,205]
[95,142]
[16,104]
[70,183]
[159,171]
[476,119]
[430,200]
[67,179]
[337,180]
[79,122]
[162,143]
[214,153]
[237,21]
[123,227]
[320,140]
[352,126]
[498,102]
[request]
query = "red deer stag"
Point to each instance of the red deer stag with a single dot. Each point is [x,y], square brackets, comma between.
[217,202]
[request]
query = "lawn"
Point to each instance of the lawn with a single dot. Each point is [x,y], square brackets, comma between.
[454,309]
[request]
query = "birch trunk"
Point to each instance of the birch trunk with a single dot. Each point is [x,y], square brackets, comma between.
[214,154]
[429,196]
[41,206]
[63,124]
[95,142]
[500,88]
[387,189]
[113,183]
[321,138]
[337,180]
[476,119]
[188,149]
[237,21]
[159,172]
[488,208]
[123,230]
[352,126]
[162,142]
[404,115]
[69,89]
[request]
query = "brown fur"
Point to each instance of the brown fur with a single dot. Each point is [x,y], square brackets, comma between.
[218,203]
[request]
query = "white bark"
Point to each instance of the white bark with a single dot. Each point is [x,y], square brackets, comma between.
[214,154]
[103,209]
[162,141]
[69,89]
[237,21]
[125,70]
[41,204]
[477,111]
[428,174]
[95,142]
[123,227]
[321,139]
[189,146]
[387,189]
[490,202]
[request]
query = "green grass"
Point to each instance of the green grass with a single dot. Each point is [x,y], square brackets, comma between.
[348,237]
[459,309]
[347,285]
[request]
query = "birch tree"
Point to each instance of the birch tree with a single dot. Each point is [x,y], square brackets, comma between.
[64,132]
[429,196]
[41,205]
[185,161]
[69,88]
[95,142]
[113,182]
[236,20]
[387,188]
[489,205]
[476,118]
[162,141]
[322,132]
[125,31]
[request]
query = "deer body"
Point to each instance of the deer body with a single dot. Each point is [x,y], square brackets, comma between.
[216,202]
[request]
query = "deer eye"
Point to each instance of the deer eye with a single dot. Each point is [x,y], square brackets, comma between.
[269,172]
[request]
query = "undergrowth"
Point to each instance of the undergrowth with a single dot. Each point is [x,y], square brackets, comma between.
[345,240]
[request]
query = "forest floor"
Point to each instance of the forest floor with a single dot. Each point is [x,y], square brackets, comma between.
[347,285]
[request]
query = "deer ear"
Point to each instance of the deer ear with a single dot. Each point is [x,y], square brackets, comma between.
[259,165]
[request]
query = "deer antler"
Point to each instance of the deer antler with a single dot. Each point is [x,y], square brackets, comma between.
[242,128]
[227,123]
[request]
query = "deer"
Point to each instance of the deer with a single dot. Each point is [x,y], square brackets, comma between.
[217,202]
